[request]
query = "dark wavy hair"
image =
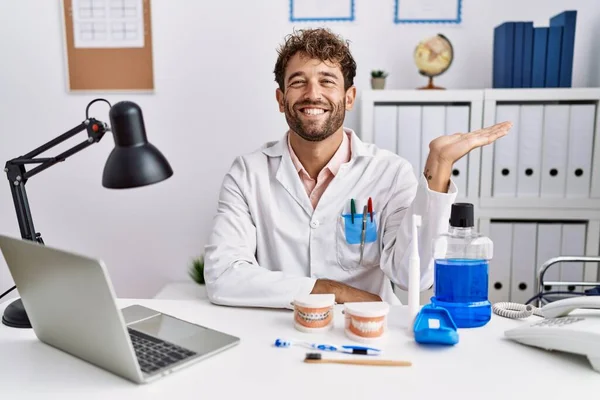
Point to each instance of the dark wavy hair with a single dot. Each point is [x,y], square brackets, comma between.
[321,44]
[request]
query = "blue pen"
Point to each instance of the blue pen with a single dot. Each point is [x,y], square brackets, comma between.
[328,347]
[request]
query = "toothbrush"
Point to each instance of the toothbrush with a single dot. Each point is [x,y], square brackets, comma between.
[328,347]
[414,274]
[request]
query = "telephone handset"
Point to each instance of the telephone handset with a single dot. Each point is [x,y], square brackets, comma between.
[558,308]
[559,330]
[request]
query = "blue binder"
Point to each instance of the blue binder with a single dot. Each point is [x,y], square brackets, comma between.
[567,20]
[517,67]
[555,34]
[538,63]
[527,53]
[503,55]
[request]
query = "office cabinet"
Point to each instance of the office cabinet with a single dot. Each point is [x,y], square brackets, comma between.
[536,191]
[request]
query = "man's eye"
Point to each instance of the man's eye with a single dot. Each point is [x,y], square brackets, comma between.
[296,82]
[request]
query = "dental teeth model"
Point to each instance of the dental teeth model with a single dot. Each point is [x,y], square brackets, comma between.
[314,312]
[365,321]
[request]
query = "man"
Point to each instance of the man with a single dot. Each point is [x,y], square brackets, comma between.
[285,226]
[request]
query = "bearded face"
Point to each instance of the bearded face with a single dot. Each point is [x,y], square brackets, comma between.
[314,100]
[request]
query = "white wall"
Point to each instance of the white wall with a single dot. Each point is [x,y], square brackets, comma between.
[214,99]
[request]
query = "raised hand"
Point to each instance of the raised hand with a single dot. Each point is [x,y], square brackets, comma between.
[445,150]
[451,148]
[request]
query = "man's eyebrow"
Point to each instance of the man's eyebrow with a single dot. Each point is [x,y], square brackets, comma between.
[322,73]
[295,74]
[329,74]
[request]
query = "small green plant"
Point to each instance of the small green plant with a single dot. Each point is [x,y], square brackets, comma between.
[196,271]
[377,73]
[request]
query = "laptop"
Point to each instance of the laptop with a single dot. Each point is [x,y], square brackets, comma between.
[71,304]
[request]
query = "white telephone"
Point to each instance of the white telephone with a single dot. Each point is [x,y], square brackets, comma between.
[577,334]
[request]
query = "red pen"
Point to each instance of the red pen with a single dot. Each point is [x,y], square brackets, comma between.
[370,206]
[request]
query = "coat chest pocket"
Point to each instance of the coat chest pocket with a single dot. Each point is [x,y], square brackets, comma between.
[348,242]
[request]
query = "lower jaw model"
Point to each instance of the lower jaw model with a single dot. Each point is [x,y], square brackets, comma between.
[366,327]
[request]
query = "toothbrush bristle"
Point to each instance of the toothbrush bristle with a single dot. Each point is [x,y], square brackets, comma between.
[281,343]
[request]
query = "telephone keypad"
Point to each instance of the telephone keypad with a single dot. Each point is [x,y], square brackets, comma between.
[558,322]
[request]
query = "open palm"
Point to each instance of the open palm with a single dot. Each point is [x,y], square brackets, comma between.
[451,148]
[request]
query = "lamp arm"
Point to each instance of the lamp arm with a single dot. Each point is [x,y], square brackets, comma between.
[18,175]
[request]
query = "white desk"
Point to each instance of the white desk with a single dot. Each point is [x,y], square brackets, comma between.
[483,365]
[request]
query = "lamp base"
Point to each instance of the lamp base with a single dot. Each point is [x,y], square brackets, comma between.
[15,315]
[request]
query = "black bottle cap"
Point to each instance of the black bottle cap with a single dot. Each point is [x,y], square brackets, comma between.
[462,215]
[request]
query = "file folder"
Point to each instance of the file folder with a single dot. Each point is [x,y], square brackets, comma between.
[567,20]
[384,130]
[501,234]
[549,244]
[523,268]
[409,136]
[504,183]
[581,142]
[573,244]
[555,34]
[530,150]
[527,54]
[540,51]
[433,125]
[555,146]
[457,121]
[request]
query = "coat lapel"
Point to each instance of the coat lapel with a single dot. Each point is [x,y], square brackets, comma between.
[287,175]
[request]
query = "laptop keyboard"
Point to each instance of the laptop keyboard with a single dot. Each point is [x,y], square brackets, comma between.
[154,354]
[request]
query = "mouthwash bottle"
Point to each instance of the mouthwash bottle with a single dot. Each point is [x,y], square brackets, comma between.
[461,259]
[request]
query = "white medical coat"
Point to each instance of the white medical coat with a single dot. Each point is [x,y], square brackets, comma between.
[268,245]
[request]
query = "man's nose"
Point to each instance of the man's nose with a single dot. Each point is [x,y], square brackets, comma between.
[313,91]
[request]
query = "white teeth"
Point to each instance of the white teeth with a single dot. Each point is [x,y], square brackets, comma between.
[371,326]
[314,316]
[313,111]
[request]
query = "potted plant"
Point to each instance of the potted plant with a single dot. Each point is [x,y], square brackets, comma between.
[378,79]
[196,270]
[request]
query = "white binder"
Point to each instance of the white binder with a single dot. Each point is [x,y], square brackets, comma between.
[554,154]
[409,136]
[457,121]
[505,154]
[384,127]
[529,161]
[523,268]
[500,264]
[573,244]
[581,141]
[433,125]
[549,243]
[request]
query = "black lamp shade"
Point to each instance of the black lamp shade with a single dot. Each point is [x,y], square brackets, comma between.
[134,161]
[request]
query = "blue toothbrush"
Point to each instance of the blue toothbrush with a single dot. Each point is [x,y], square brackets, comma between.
[328,347]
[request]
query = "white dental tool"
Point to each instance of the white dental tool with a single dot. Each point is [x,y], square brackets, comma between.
[414,275]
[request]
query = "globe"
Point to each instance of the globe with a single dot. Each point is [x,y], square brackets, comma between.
[433,56]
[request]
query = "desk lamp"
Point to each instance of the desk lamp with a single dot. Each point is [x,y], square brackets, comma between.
[132,163]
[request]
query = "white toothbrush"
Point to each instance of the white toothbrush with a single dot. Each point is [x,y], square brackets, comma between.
[414,274]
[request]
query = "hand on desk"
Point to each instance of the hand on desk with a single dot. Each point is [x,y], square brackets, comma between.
[343,293]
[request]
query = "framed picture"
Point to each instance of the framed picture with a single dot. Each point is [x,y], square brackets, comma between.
[321,10]
[428,11]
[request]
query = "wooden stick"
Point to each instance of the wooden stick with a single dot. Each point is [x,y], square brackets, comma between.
[387,363]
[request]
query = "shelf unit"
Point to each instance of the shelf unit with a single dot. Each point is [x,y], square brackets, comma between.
[558,206]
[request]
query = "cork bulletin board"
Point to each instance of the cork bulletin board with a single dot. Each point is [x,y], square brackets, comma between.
[108,45]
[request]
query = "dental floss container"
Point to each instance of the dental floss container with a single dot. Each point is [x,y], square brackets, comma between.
[414,275]
[314,312]
[365,321]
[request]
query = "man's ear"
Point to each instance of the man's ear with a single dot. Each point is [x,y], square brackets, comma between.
[279,97]
[350,97]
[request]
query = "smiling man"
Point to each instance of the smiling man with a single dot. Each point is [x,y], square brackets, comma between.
[320,211]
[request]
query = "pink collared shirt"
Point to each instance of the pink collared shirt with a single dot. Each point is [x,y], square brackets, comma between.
[315,188]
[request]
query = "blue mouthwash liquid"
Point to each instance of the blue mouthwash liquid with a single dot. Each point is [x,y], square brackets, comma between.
[461,270]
